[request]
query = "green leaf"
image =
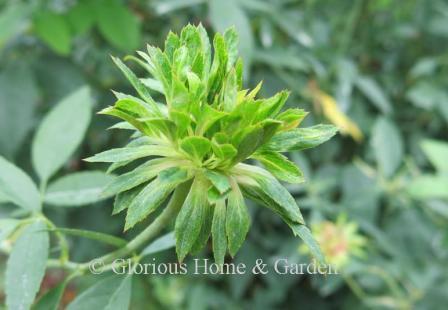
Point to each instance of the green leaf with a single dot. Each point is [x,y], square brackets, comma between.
[14,183]
[112,293]
[280,58]
[153,84]
[230,13]
[124,199]
[291,118]
[285,204]
[252,138]
[163,72]
[52,298]
[219,180]
[152,196]
[3,198]
[172,43]
[207,118]
[128,154]
[271,106]
[219,232]
[118,25]
[77,189]
[224,151]
[218,69]
[429,187]
[301,138]
[231,39]
[268,190]
[191,217]
[82,16]
[54,30]
[387,145]
[162,7]
[13,20]
[122,125]
[280,167]
[197,147]
[174,175]
[163,127]
[135,108]
[160,244]
[182,121]
[139,175]
[305,234]
[237,221]
[213,195]
[206,227]
[18,86]
[139,141]
[133,79]
[374,93]
[437,153]
[93,235]
[230,92]
[61,132]
[7,227]
[26,266]
[426,94]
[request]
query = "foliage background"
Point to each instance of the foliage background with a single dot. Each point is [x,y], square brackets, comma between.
[382,62]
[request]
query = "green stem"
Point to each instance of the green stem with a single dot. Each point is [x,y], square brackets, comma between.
[62,241]
[151,231]
[56,263]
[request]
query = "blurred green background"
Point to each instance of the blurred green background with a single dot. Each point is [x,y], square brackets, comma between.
[376,195]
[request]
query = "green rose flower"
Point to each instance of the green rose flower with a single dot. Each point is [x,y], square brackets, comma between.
[195,144]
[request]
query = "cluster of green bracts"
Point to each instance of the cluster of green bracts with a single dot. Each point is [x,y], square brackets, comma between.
[207,126]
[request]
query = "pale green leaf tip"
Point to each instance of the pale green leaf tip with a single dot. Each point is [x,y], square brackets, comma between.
[180,256]
[105,110]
